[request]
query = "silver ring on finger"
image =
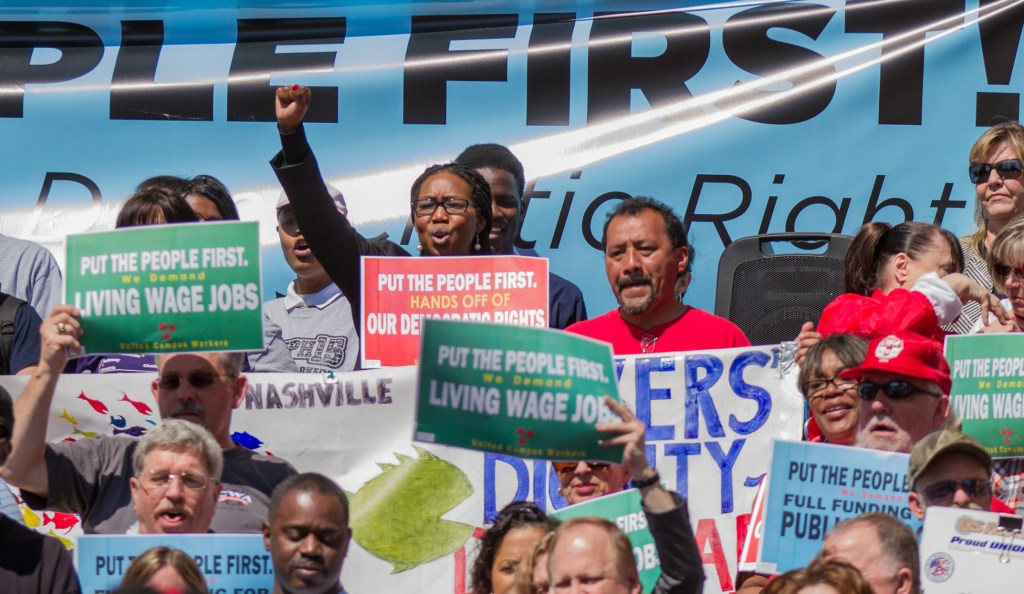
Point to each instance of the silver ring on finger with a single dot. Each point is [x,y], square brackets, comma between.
[62,328]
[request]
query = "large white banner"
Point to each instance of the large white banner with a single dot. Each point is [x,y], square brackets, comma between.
[417,509]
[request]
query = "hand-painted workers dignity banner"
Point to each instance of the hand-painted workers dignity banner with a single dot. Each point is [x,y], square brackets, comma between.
[688,102]
[711,416]
[533,393]
[398,293]
[230,563]
[625,510]
[988,389]
[814,486]
[167,288]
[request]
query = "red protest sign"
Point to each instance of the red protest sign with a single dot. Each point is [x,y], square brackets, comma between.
[397,292]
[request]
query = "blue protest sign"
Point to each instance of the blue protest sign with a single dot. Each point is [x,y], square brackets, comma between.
[231,563]
[812,487]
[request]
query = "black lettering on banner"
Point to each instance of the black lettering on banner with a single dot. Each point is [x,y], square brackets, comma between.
[944,203]
[588,216]
[769,207]
[81,50]
[901,84]
[134,92]
[1000,37]
[839,212]
[430,62]
[250,96]
[717,219]
[52,176]
[563,214]
[746,41]
[529,194]
[548,68]
[613,72]
[874,206]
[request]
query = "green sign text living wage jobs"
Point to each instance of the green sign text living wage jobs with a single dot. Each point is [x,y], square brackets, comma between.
[527,392]
[167,288]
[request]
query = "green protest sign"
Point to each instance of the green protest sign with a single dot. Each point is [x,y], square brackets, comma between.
[625,511]
[988,389]
[167,288]
[527,392]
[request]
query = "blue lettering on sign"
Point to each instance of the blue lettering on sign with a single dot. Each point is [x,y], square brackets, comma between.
[644,395]
[682,452]
[745,390]
[725,463]
[698,395]
[544,484]
[522,480]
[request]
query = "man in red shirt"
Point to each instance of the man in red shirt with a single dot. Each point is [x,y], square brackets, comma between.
[647,259]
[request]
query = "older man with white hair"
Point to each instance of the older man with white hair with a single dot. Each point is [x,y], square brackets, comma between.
[177,479]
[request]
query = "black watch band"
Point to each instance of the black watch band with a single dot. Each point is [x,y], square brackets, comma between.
[647,482]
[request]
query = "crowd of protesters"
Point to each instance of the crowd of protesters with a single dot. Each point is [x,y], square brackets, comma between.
[872,371]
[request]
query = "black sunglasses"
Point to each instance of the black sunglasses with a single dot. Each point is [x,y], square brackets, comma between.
[1008,169]
[198,380]
[895,390]
[1002,270]
[570,467]
[945,490]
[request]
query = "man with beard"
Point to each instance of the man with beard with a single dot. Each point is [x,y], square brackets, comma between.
[648,260]
[307,534]
[90,477]
[904,391]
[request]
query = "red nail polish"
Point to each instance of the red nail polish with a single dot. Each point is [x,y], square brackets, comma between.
[295,87]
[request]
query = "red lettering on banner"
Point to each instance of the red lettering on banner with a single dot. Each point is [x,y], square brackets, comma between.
[707,534]
[460,563]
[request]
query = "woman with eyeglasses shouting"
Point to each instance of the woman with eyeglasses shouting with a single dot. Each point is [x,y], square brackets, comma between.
[995,170]
[450,206]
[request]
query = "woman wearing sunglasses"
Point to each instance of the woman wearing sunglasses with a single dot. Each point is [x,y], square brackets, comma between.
[995,170]
[450,206]
[1005,260]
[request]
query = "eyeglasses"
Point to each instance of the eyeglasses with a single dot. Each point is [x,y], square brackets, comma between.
[1004,271]
[895,390]
[286,220]
[812,389]
[1008,169]
[159,480]
[451,205]
[945,490]
[569,467]
[198,380]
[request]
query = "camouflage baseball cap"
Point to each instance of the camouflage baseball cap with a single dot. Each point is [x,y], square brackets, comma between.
[942,442]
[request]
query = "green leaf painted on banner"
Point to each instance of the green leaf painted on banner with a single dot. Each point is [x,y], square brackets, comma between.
[396,516]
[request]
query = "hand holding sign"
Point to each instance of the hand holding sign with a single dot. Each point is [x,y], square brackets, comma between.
[632,436]
[59,333]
